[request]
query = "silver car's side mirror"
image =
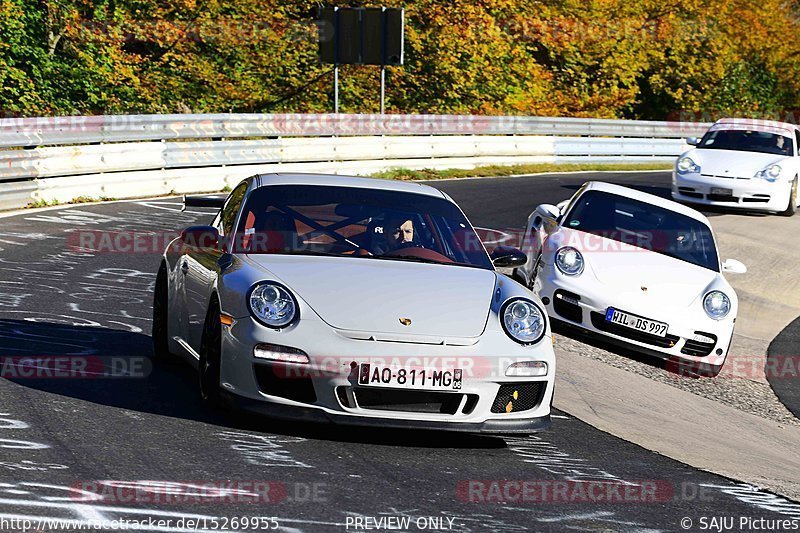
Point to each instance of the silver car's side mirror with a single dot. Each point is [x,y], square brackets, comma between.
[508,257]
[692,141]
[548,211]
[201,237]
[733,266]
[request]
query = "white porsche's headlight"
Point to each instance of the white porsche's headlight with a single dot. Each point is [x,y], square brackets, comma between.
[523,321]
[771,173]
[717,305]
[686,165]
[272,304]
[569,261]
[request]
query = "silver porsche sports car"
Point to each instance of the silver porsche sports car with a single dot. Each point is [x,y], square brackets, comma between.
[354,301]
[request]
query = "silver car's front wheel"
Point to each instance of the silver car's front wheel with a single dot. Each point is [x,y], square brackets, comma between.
[160,331]
[210,357]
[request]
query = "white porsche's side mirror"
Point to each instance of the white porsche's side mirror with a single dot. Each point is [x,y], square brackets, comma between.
[548,211]
[692,141]
[733,266]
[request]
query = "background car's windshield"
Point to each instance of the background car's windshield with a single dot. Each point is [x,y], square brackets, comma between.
[357,222]
[748,141]
[644,225]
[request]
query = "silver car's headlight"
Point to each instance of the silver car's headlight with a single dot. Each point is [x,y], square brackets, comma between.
[272,305]
[569,261]
[523,321]
[686,165]
[717,305]
[771,173]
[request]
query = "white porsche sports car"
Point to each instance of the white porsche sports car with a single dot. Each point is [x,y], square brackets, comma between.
[635,269]
[354,301]
[749,164]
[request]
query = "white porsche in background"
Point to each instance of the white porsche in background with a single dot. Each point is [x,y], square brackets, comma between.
[636,269]
[355,301]
[750,164]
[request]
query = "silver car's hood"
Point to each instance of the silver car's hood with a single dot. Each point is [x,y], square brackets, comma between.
[372,295]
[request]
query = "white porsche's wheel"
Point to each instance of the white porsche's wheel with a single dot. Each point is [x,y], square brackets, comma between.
[791,209]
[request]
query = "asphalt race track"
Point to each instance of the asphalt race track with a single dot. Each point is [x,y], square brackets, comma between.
[96,448]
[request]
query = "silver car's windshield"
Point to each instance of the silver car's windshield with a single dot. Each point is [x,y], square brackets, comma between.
[747,141]
[645,226]
[357,222]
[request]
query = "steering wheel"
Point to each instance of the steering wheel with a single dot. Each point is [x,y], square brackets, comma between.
[419,252]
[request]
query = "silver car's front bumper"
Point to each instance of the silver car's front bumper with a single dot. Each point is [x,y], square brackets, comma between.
[327,388]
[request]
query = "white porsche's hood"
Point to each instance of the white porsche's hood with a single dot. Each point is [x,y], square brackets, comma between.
[637,275]
[372,295]
[731,163]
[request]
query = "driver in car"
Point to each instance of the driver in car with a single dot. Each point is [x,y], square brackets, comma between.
[780,143]
[401,235]
[397,233]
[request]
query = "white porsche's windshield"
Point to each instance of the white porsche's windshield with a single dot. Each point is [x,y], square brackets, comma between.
[644,225]
[358,222]
[747,141]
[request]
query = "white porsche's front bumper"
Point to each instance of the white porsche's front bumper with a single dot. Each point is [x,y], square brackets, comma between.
[327,389]
[578,302]
[751,194]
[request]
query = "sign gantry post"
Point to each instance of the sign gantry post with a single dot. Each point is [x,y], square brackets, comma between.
[361,36]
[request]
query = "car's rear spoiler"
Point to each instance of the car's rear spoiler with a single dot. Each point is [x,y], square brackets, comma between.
[203,201]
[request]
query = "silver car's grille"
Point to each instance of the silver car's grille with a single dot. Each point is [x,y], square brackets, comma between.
[410,339]
[724,177]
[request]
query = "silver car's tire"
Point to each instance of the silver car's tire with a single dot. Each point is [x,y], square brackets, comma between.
[210,357]
[160,331]
[792,207]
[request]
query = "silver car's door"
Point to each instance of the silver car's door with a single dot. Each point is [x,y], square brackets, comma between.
[201,268]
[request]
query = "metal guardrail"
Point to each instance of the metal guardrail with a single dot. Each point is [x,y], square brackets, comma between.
[116,149]
[121,128]
[50,162]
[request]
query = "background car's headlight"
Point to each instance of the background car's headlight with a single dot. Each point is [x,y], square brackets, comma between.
[770,173]
[717,305]
[523,321]
[686,165]
[272,305]
[569,261]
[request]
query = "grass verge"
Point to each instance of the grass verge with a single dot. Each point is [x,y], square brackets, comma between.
[407,174]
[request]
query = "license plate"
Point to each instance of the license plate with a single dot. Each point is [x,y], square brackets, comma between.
[721,192]
[645,325]
[383,376]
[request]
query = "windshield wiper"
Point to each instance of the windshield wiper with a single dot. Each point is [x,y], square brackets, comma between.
[415,259]
[301,252]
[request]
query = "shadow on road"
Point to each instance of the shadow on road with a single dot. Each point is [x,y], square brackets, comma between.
[783,367]
[673,366]
[114,368]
